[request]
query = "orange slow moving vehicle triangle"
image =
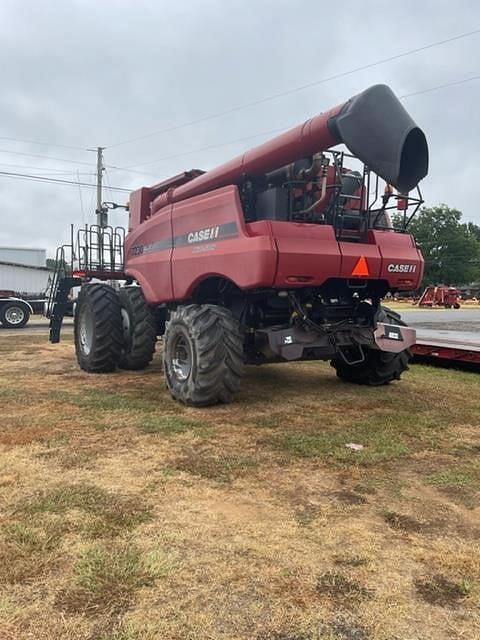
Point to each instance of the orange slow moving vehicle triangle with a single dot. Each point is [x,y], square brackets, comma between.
[361,268]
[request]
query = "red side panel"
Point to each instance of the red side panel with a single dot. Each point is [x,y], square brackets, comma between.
[352,252]
[402,262]
[307,253]
[211,239]
[139,207]
[148,252]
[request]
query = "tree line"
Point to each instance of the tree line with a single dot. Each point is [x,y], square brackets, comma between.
[451,248]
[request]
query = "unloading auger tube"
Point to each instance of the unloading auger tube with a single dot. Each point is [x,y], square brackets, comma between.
[373,125]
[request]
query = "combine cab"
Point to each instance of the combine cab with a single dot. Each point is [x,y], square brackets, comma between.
[281,254]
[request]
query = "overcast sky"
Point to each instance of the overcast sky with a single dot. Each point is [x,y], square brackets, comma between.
[87,73]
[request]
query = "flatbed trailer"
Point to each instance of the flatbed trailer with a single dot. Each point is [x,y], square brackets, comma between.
[446,337]
[448,348]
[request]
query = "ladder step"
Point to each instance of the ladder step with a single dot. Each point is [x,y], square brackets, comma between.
[60,305]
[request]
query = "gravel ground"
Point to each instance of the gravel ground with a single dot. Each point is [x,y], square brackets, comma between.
[36,325]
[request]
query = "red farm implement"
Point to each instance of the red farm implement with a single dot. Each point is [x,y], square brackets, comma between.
[283,253]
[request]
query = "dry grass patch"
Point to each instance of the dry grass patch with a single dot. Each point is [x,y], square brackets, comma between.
[172,425]
[27,551]
[380,445]
[106,579]
[109,399]
[111,514]
[461,482]
[214,465]
[279,532]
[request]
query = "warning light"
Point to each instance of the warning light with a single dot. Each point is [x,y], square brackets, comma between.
[361,268]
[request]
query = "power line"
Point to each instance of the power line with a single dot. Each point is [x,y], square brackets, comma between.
[211,146]
[270,131]
[77,162]
[34,178]
[44,144]
[107,183]
[36,155]
[81,198]
[440,86]
[281,94]
[52,171]
[129,170]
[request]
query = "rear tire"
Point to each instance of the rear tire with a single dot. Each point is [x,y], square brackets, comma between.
[139,329]
[379,367]
[203,355]
[14,315]
[98,328]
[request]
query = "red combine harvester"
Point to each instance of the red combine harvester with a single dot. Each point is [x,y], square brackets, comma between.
[440,296]
[281,254]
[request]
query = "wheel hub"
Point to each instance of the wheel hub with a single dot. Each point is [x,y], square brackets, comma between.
[85,330]
[125,325]
[182,358]
[14,315]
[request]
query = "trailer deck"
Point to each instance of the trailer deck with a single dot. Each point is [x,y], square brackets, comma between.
[447,336]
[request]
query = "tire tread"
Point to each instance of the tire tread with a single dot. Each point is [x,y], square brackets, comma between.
[218,343]
[108,338]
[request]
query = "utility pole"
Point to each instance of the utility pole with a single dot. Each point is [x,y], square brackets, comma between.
[102,216]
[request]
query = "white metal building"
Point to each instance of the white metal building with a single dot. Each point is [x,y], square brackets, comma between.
[23,270]
[24,255]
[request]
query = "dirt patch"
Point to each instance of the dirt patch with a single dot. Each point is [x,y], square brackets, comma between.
[439,590]
[349,497]
[350,560]
[284,635]
[405,523]
[344,628]
[342,588]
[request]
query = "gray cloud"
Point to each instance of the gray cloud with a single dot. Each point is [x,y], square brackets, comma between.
[86,73]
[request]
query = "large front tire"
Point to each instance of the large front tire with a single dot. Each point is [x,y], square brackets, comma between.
[203,355]
[379,367]
[139,329]
[98,328]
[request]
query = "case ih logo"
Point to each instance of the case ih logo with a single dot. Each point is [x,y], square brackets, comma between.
[218,232]
[204,234]
[401,268]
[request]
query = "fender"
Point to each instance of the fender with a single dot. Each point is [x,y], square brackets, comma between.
[27,304]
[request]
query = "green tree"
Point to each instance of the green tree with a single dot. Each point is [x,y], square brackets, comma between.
[451,248]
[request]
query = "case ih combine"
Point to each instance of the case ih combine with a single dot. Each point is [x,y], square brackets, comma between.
[283,253]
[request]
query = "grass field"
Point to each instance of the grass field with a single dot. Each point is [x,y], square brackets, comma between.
[125,516]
